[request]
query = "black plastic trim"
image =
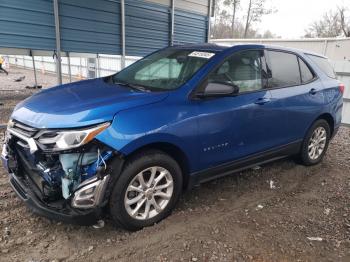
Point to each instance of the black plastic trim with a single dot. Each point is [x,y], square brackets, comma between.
[314,79]
[244,163]
[73,216]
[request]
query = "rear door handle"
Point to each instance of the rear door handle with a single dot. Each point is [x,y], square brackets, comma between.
[313,91]
[262,101]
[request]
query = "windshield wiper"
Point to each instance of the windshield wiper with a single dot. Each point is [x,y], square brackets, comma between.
[133,86]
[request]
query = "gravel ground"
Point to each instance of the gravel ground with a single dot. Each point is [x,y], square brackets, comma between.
[279,212]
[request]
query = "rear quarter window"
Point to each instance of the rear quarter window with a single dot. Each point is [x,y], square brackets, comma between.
[324,64]
[305,72]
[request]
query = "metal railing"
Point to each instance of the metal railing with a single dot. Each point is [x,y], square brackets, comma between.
[77,67]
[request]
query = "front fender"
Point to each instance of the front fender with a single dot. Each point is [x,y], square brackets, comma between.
[152,139]
[169,122]
[146,140]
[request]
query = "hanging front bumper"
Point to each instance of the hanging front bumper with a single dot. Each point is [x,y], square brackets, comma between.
[66,214]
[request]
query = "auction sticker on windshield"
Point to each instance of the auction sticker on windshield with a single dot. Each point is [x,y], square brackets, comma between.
[206,55]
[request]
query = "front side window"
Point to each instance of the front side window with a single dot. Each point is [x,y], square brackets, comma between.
[242,70]
[164,70]
[283,69]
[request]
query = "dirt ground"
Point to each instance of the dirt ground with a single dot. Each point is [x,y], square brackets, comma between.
[12,92]
[269,213]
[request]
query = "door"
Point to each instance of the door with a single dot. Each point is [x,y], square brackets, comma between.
[91,67]
[296,95]
[235,126]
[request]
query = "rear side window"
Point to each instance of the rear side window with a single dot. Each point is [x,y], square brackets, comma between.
[324,65]
[283,69]
[306,74]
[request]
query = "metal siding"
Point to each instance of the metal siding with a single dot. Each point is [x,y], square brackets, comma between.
[342,69]
[91,26]
[27,24]
[160,2]
[338,50]
[147,27]
[190,28]
[196,6]
[346,113]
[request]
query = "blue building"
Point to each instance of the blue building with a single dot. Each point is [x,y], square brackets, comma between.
[129,27]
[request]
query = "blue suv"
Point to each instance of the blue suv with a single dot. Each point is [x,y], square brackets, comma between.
[130,143]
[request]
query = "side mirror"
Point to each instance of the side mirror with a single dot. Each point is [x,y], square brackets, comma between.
[218,90]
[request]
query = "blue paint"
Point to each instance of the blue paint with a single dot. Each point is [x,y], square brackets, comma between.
[230,127]
[80,104]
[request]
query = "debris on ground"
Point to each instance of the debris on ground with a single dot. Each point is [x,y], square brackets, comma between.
[7,232]
[315,238]
[327,211]
[259,207]
[99,224]
[19,79]
[272,184]
[34,87]
[256,167]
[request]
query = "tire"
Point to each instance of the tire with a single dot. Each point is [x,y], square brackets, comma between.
[307,157]
[143,165]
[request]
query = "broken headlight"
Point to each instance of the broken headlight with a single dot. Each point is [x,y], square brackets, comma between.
[68,139]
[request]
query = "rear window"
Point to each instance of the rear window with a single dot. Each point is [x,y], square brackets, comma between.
[324,65]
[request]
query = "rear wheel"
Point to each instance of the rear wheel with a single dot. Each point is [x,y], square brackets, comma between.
[315,143]
[147,190]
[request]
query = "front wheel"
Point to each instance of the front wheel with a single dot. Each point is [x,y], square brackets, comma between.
[147,190]
[315,143]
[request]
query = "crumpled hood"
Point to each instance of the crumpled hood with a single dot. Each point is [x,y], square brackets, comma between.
[80,104]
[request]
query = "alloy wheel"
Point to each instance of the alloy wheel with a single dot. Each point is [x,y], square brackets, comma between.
[317,143]
[148,193]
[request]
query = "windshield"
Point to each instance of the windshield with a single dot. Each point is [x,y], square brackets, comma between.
[164,70]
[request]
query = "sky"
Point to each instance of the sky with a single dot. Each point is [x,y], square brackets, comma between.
[294,16]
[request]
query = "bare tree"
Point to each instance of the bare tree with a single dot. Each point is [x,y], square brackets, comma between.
[231,19]
[248,21]
[256,9]
[216,16]
[269,34]
[222,27]
[332,24]
[234,4]
[344,22]
[328,26]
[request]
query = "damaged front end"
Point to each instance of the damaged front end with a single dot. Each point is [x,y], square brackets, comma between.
[61,174]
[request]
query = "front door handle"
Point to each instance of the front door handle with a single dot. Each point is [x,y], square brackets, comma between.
[262,101]
[313,91]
